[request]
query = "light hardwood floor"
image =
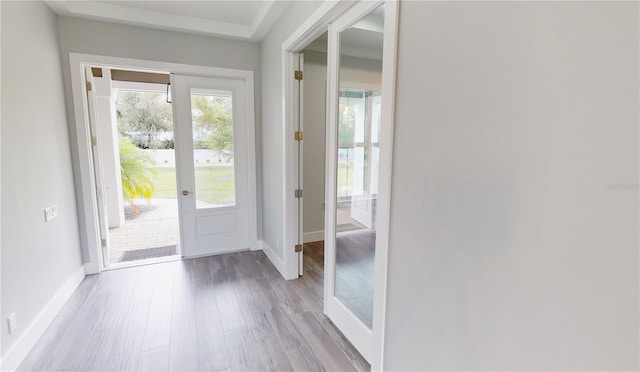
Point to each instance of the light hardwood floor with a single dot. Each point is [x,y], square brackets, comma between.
[228,312]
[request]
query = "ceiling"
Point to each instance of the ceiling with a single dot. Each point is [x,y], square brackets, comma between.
[246,20]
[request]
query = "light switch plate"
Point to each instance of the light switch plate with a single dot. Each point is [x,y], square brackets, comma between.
[13,323]
[50,212]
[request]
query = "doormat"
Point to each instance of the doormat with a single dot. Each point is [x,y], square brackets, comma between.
[143,254]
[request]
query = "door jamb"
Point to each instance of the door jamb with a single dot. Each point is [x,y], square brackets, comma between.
[308,31]
[87,207]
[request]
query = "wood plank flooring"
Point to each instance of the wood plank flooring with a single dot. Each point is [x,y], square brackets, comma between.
[231,312]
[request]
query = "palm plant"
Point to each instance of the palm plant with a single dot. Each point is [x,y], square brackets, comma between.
[138,172]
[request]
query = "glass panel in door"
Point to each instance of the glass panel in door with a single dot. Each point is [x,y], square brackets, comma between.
[357,180]
[212,127]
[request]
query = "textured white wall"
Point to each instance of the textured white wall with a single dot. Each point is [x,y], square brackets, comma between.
[37,257]
[115,40]
[514,229]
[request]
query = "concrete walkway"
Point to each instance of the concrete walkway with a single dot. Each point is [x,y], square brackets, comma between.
[154,228]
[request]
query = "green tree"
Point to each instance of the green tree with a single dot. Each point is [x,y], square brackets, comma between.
[213,123]
[143,116]
[138,172]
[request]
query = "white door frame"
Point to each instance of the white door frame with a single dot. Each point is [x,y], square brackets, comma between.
[311,29]
[314,26]
[94,131]
[87,203]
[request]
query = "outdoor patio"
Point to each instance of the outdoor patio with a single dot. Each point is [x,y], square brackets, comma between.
[155,226]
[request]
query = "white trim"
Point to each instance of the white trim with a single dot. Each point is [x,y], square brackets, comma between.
[307,32]
[291,174]
[87,202]
[272,255]
[214,254]
[257,247]
[148,261]
[383,214]
[139,87]
[368,341]
[87,208]
[300,120]
[313,236]
[315,25]
[251,163]
[16,354]
[358,333]
[264,19]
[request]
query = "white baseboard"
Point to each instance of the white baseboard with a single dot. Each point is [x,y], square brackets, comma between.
[273,257]
[16,354]
[312,236]
[256,245]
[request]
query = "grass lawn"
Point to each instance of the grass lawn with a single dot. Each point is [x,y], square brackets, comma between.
[214,184]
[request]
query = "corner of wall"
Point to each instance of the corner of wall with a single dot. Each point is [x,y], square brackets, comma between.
[274,258]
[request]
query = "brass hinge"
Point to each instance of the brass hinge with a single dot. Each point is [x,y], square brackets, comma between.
[88,85]
[298,136]
[298,248]
[298,75]
[94,140]
[298,193]
[104,243]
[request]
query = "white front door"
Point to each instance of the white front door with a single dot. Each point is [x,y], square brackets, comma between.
[211,141]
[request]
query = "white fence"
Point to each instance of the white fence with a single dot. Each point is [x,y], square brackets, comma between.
[167,157]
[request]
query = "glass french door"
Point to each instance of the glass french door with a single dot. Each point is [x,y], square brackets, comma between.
[212,166]
[354,138]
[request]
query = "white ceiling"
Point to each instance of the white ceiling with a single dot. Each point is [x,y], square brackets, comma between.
[247,20]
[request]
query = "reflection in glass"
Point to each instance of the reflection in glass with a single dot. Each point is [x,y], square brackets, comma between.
[359,112]
[212,124]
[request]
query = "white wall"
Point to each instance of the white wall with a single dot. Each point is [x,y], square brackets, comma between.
[273,123]
[38,258]
[354,70]
[514,229]
[102,38]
